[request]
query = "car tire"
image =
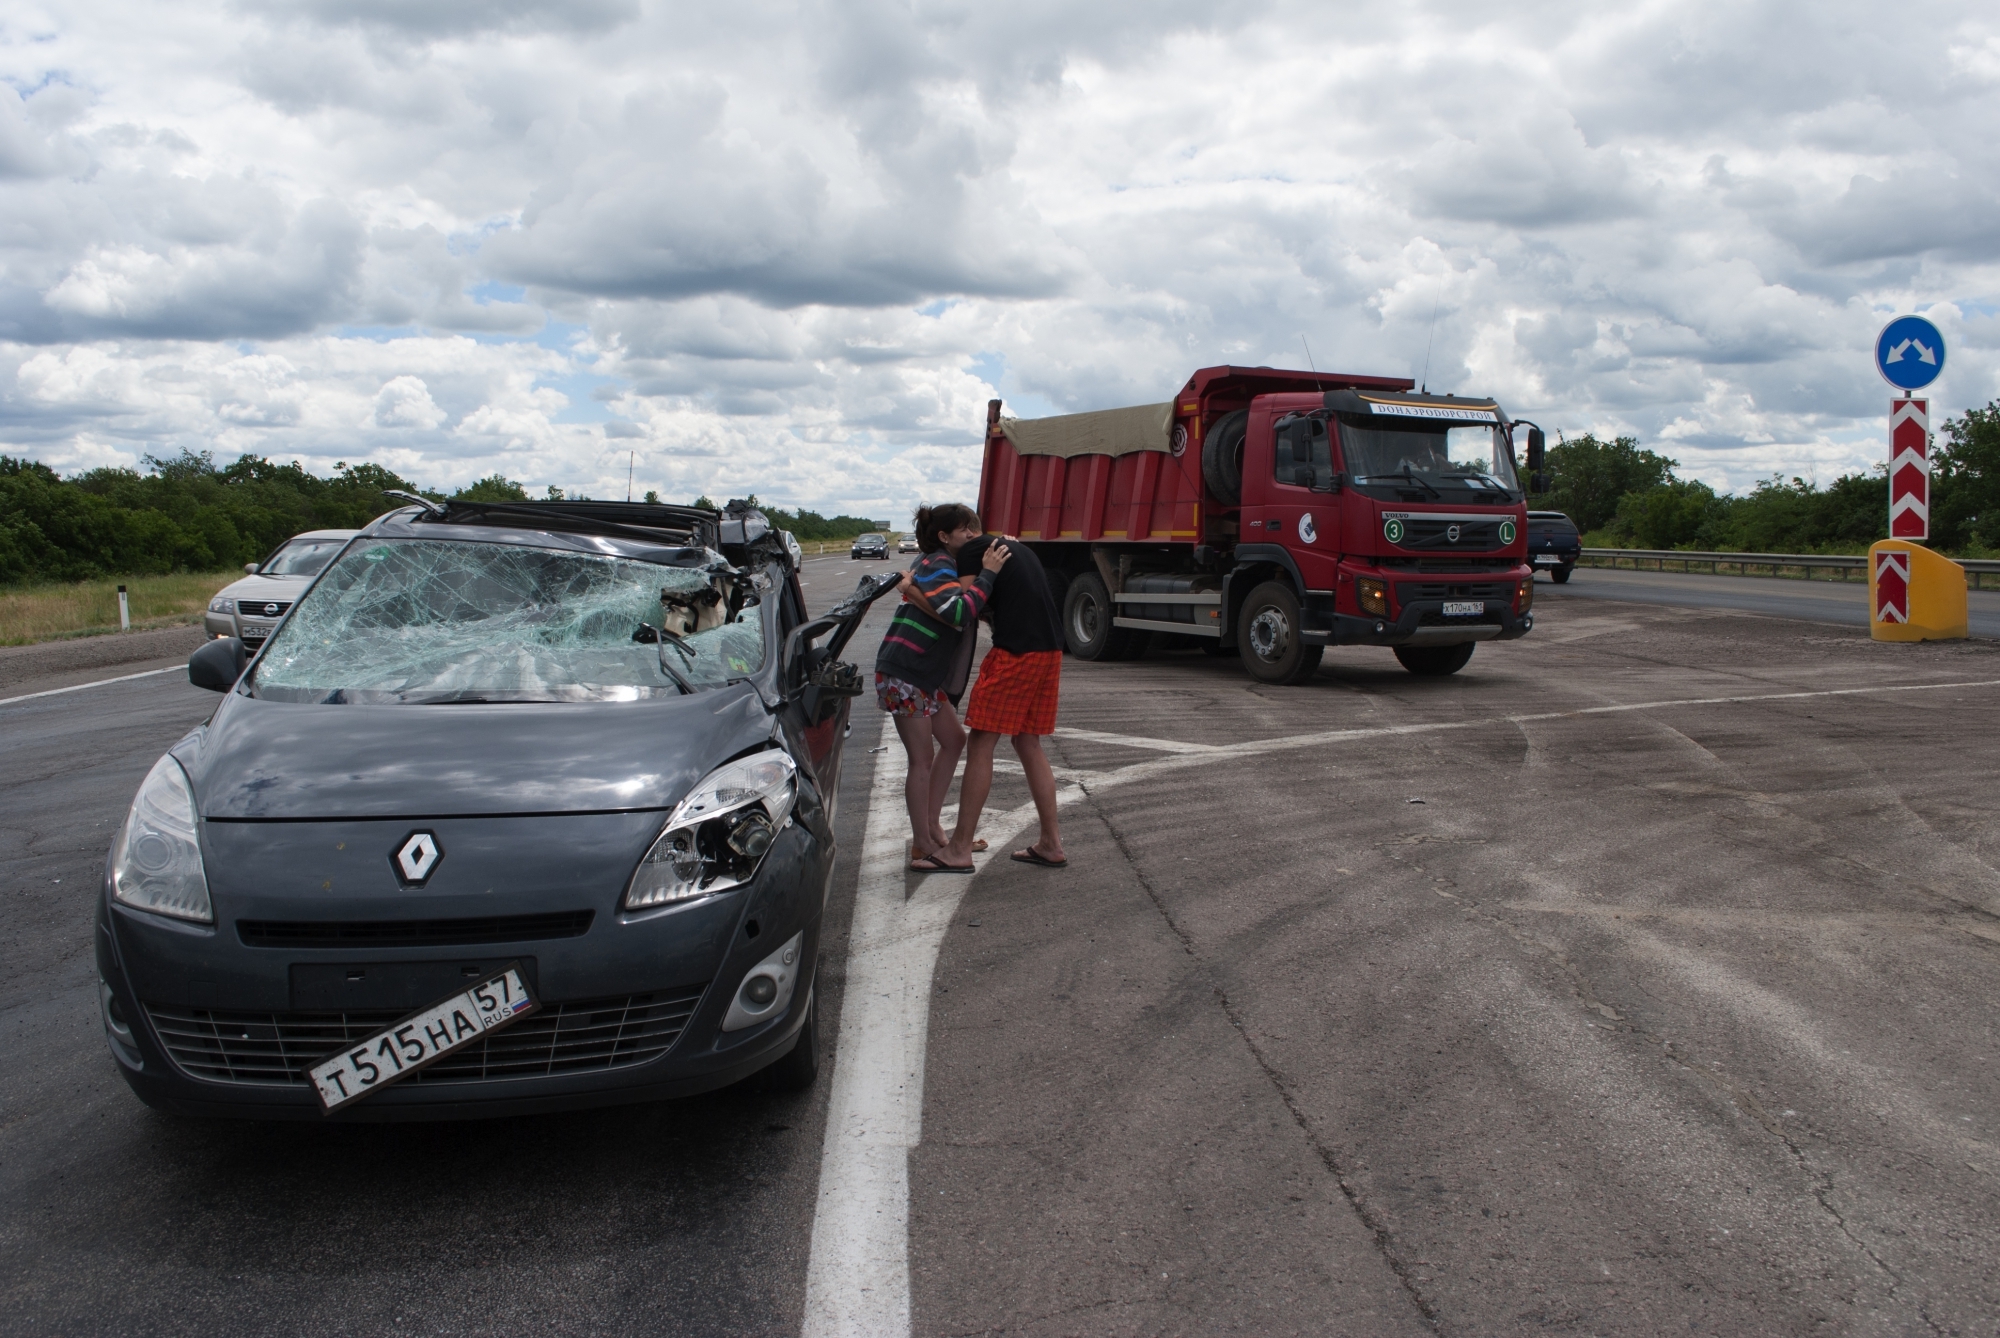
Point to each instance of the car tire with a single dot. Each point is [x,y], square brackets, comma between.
[1561,574]
[799,1069]
[1086,619]
[1268,636]
[1435,661]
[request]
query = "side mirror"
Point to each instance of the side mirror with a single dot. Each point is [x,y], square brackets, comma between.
[1538,482]
[837,678]
[1538,447]
[218,665]
[249,569]
[1328,481]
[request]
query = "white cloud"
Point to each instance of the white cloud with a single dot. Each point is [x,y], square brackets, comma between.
[792,249]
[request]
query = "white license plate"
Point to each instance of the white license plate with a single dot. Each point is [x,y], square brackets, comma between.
[428,1035]
[257,631]
[1549,559]
[1463,608]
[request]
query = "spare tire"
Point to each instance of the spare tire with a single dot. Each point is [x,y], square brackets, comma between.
[1222,457]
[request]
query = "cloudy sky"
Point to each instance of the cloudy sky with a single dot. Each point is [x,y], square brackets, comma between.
[794,248]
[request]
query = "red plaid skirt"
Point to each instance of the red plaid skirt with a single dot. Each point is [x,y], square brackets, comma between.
[1015,694]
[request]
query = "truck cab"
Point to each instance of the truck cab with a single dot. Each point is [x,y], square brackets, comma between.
[1275,513]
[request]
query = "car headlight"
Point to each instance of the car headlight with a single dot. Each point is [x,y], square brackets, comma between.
[221,605]
[717,836]
[156,863]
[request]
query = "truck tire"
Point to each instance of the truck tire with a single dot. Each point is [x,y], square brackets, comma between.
[1435,661]
[1267,636]
[1086,619]
[1222,457]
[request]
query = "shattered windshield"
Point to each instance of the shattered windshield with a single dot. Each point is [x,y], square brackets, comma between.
[1429,458]
[435,621]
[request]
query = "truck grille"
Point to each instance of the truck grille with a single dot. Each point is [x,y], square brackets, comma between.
[1487,590]
[1473,535]
[276,1049]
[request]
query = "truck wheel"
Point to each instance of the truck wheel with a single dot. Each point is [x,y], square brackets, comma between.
[1560,575]
[1222,457]
[1435,661]
[1267,636]
[1087,613]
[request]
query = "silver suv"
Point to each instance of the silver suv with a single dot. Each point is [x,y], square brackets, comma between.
[251,607]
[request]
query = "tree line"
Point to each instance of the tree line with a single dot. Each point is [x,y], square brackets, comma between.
[188,514]
[1629,497]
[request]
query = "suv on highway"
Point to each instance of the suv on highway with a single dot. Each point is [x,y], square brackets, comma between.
[871,546]
[1553,544]
[248,609]
[522,807]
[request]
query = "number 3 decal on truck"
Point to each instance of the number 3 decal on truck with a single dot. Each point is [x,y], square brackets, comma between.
[1392,529]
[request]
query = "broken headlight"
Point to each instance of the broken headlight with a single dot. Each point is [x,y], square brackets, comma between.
[717,836]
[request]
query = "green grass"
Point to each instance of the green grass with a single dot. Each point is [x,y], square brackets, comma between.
[31,613]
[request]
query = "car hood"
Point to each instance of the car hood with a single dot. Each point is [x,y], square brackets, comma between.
[297,761]
[254,588]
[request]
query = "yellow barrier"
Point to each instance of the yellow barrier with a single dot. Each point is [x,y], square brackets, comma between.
[1914,594]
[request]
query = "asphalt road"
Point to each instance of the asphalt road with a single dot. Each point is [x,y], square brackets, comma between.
[1819,601]
[1671,1006]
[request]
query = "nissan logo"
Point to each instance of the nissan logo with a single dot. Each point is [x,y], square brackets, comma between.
[271,610]
[1451,533]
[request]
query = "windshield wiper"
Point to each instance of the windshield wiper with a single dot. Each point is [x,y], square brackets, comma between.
[1407,473]
[661,637]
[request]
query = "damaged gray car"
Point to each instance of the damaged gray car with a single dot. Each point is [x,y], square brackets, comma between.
[524,806]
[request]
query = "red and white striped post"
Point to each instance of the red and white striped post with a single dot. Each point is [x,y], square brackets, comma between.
[1909,470]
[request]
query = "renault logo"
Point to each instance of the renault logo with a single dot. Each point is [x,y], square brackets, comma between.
[417,858]
[1451,533]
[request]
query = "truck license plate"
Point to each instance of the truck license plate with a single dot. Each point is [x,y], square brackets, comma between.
[427,1035]
[1464,608]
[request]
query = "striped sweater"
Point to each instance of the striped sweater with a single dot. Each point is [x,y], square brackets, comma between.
[919,643]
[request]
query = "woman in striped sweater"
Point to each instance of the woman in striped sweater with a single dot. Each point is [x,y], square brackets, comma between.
[938,611]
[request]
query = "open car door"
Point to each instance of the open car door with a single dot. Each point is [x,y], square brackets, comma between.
[820,687]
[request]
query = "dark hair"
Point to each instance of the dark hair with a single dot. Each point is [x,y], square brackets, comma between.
[934,522]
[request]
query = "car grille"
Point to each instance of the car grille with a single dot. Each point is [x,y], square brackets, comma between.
[413,933]
[276,1049]
[266,608]
[1472,534]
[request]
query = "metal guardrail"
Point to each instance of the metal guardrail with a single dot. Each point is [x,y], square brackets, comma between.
[1797,566]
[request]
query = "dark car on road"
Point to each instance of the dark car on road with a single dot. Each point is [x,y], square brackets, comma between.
[564,771]
[871,546]
[1553,544]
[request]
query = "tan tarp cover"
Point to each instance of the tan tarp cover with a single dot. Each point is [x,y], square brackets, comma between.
[1106,432]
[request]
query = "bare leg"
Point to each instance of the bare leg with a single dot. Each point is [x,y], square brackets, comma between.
[1042,786]
[972,792]
[950,736]
[915,732]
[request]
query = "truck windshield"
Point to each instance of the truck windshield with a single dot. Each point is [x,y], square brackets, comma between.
[1422,456]
[424,621]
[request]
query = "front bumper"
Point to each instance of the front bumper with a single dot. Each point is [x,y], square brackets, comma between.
[1421,623]
[219,1027]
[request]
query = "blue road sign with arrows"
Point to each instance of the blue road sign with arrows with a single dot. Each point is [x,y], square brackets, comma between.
[1909,353]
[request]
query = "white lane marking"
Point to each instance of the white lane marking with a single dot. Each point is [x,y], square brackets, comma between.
[858,1279]
[79,687]
[1135,741]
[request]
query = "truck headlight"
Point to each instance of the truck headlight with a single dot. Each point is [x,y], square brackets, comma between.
[717,836]
[221,605]
[1524,595]
[156,862]
[1372,595]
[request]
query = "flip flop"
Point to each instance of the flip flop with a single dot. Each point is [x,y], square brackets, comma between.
[915,854]
[1034,856]
[932,864]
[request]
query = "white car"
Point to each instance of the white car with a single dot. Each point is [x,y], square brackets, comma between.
[907,544]
[250,608]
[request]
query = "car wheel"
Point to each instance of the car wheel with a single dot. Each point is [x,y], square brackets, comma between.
[799,1069]
[1268,636]
[1435,661]
[1561,575]
[1087,629]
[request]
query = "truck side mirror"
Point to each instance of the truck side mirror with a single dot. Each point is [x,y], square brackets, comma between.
[1538,482]
[1538,446]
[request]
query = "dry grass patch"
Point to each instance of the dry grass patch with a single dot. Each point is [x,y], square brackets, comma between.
[30,613]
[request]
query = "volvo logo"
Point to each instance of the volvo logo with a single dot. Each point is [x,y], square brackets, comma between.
[1451,533]
[417,858]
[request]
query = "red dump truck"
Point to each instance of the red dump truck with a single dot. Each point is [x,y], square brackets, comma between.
[1274,513]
